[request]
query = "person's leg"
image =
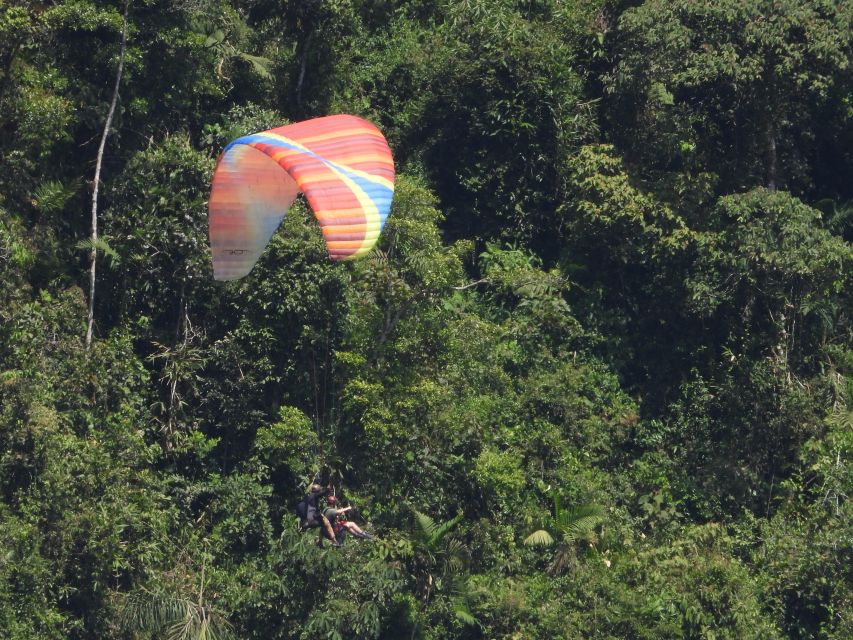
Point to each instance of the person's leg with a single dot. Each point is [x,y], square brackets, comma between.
[327,527]
[357,531]
[317,519]
[340,534]
[313,520]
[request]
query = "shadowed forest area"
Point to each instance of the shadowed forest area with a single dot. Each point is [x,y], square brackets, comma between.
[595,381]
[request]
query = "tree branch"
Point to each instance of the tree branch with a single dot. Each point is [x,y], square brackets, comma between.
[472,284]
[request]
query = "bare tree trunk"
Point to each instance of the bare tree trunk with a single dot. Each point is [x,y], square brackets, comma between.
[93,256]
[303,63]
[6,65]
[772,166]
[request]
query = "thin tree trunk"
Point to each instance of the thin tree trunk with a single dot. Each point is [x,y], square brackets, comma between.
[6,64]
[93,256]
[772,166]
[303,63]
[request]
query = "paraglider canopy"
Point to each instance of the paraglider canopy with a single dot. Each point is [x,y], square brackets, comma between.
[341,163]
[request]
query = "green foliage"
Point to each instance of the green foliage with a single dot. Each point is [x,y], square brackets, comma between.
[16,256]
[774,243]
[225,37]
[694,586]
[500,475]
[616,272]
[241,120]
[752,86]
[25,608]
[608,208]
[290,442]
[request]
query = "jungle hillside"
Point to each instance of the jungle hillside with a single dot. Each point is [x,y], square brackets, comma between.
[594,381]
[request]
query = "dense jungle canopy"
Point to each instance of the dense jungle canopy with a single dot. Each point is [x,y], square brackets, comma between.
[596,380]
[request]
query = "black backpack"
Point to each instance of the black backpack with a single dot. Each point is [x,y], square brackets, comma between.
[302,509]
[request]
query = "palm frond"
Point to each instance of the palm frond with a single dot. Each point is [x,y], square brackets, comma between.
[440,531]
[579,521]
[427,525]
[841,418]
[52,196]
[260,64]
[463,613]
[456,548]
[839,214]
[463,597]
[454,563]
[101,245]
[174,618]
[540,538]
[149,612]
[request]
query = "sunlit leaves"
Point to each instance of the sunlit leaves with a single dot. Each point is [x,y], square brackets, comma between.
[539,538]
[290,442]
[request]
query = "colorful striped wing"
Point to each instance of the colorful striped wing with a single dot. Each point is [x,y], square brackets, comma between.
[341,163]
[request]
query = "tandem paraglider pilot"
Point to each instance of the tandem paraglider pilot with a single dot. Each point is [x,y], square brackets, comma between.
[310,516]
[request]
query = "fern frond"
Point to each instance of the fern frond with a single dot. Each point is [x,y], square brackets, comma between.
[540,538]
[463,597]
[581,529]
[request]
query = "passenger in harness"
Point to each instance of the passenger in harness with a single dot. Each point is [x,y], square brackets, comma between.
[340,524]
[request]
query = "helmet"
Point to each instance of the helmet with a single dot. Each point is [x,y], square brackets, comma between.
[332,500]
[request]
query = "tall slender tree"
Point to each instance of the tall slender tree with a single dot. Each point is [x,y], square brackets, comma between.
[93,253]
